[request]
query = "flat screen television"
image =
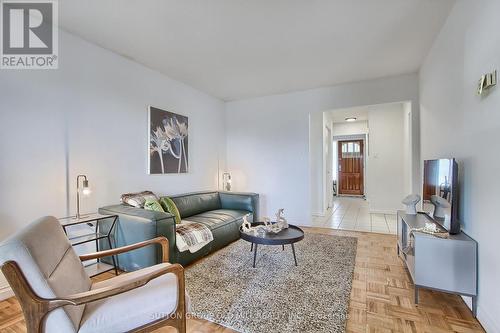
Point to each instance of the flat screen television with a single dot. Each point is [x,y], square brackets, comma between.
[441,186]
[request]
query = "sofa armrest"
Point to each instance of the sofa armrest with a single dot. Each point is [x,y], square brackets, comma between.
[241,201]
[138,224]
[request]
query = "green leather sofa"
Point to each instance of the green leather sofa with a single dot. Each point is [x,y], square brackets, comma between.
[222,212]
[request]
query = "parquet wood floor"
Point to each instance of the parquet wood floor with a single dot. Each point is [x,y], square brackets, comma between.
[381,297]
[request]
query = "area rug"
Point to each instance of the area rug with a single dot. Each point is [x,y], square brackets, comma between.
[276,296]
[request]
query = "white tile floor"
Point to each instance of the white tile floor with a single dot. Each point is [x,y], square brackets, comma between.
[353,214]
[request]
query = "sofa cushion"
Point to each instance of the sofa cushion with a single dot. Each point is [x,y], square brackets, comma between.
[153,205]
[219,217]
[138,199]
[169,206]
[196,203]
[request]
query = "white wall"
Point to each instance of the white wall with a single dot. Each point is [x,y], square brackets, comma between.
[385,174]
[268,139]
[90,116]
[358,127]
[316,158]
[456,122]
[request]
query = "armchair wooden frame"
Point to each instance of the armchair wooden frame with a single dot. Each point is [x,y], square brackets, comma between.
[35,308]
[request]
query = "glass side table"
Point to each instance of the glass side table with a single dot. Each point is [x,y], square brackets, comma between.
[95,221]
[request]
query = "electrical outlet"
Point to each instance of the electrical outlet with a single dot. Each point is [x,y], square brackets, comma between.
[486,82]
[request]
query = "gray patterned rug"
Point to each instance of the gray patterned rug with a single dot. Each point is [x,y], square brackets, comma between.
[276,296]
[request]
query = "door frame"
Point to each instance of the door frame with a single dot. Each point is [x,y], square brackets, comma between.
[328,169]
[355,137]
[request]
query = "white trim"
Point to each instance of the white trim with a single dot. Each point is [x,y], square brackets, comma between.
[327,150]
[318,214]
[350,137]
[363,137]
[487,321]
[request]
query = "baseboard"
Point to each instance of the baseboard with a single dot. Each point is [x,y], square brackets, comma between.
[6,292]
[318,214]
[362,196]
[487,320]
[299,222]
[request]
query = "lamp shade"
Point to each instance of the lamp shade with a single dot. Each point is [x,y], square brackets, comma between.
[86,189]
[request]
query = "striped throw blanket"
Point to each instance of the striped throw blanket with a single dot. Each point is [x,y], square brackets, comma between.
[192,236]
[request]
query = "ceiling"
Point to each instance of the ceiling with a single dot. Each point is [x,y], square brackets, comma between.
[339,115]
[361,113]
[235,49]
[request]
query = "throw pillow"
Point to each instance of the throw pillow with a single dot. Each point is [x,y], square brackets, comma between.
[153,205]
[138,199]
[169,206]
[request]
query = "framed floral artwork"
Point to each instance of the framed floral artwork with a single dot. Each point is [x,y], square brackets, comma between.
[168,142]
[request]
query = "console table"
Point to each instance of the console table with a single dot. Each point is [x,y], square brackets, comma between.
[443,264]
[94,221]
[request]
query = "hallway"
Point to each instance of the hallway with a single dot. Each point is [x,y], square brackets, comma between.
[349,213]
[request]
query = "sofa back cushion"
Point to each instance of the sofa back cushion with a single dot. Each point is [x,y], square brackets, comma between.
[169,206]
[195,203]
[138,199]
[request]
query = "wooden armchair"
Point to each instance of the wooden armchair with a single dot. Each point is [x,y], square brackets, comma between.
[56,294]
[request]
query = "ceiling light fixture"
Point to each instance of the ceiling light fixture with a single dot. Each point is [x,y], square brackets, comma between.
[350,119]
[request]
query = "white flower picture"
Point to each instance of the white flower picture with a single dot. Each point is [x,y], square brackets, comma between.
[168,142]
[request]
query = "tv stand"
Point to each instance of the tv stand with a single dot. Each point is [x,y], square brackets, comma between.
[442,264]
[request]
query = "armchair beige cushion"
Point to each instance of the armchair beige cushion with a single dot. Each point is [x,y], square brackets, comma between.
[47,261]
[132,309]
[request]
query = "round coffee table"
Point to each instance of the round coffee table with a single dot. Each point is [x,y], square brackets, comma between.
[286,236]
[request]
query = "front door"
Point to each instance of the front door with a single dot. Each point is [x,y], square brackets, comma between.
[350,156]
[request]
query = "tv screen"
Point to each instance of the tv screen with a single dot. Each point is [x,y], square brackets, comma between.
[440,192]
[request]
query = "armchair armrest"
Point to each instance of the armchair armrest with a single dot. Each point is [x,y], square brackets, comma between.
[105,292]
[158,240]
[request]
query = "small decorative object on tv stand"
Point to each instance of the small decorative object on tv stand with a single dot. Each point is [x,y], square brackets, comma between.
[431,228]
[411,202]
